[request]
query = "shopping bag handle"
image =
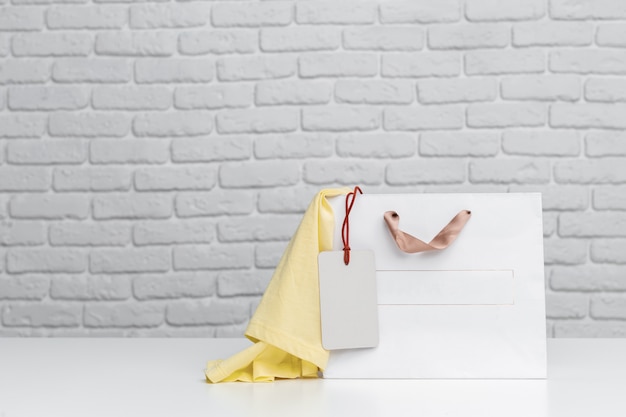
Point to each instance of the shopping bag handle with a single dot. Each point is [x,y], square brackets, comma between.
[411,244]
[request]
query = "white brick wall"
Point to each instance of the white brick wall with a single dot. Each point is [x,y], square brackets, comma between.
[156,157]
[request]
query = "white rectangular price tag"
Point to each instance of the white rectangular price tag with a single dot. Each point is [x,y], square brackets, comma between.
[348,302]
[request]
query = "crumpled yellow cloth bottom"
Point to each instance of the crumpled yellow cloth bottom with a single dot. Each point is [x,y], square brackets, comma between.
[286,328]
[261,363]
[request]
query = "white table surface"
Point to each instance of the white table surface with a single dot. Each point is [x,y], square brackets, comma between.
[164,377]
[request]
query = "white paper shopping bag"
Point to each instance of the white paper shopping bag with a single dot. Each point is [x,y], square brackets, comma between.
[473,310]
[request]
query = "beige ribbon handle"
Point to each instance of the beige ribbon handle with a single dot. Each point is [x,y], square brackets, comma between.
[411,244]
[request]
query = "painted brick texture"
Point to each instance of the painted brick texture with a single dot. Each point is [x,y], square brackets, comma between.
[156,157]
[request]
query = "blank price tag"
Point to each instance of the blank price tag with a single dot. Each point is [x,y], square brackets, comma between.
[348,303]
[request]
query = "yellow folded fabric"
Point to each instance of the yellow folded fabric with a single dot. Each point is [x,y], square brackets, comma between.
[286,328]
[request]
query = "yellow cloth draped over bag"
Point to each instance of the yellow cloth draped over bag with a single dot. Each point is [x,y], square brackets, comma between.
[286,326]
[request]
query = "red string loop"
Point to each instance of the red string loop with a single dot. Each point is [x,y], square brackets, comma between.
[345,228]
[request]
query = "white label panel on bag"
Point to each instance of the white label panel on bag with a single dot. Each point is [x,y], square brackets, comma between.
[466,287]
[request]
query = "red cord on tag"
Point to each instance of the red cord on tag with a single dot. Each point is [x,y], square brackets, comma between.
[345,228]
